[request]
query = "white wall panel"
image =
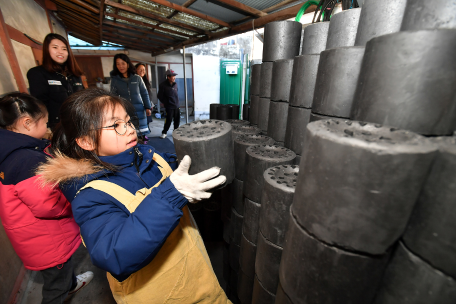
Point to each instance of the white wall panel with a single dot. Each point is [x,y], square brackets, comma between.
[58,28]
[107,63]
[206,84]
[179,69]
[7,80]
[25,57]
[26,16]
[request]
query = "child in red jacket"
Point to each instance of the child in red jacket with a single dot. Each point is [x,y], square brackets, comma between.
[38,220]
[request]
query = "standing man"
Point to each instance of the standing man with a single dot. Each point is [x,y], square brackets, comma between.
[167,94]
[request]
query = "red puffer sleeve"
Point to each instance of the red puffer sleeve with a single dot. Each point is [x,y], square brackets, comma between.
[44,202]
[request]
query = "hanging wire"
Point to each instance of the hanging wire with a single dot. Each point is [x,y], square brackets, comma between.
[326,7]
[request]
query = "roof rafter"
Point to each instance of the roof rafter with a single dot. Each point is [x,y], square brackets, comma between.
[242,7]
[186,10]
[82,37]
[74,7]
[155,17]
[245,27]
[86,6]
[70,14]
[149,26]
[125,42]
[85,25]
[129,27]
[62,8]
[132,40]
[130,34]
[102,12]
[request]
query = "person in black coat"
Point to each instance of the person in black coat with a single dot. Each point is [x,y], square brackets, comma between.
[57,78]
[167,93]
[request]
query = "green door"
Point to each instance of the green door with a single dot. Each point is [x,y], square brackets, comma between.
[230,81]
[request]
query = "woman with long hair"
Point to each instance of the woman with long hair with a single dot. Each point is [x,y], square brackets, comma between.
[58,77]
[141,71]
[130,86]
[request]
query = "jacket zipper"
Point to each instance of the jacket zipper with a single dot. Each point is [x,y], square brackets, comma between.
[68,87]
[140,155]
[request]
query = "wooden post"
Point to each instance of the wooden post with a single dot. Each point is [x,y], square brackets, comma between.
[14,63]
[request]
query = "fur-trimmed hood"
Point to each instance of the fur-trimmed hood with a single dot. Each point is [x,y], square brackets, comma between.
[62,169]
[72,174]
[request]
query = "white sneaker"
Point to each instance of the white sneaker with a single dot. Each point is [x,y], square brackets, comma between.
[83,280]
[163,136]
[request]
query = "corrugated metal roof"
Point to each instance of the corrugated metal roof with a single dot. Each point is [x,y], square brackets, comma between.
[216,11]
[260,4]
[202,20]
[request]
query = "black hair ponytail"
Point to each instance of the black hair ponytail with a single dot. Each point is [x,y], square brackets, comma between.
[16,105]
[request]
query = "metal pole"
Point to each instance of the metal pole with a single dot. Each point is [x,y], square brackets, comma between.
[156,84]
[185,89]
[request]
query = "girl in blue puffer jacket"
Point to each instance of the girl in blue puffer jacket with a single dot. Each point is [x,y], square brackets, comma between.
[130,205]
[126,84]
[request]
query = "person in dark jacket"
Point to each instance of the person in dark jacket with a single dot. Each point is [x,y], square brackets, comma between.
[167,93]
[57,78]
[37,220]
[128,85]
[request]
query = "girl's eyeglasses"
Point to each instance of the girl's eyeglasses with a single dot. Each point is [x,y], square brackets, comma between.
[120,126]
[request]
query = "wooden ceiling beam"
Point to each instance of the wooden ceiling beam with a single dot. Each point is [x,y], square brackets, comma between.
[85,25]
[127,45]
[186,4]
[87,6]
[115,33]
[186,10]
[83,37]
[266,10]
[74,7]
[128,27]
[74,27]
[129,34]
[242,28]
[278,5]
[100,25]
[69,15]
[65,9]
[144,35]
[155,17]
[124,41]
[144,46]
[242,7]
[149,26]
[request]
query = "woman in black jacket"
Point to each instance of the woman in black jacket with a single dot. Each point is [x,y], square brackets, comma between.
[57,78]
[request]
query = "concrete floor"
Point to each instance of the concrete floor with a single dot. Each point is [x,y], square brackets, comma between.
[98,290]
[156,127]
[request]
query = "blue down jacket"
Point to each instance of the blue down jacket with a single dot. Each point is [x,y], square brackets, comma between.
[118,241]
[134,91]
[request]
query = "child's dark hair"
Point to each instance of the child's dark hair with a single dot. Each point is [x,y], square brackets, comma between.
[16,105]
[82,115]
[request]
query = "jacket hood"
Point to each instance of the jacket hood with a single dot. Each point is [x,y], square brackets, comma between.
[63,169]
[11,141]
[72,174]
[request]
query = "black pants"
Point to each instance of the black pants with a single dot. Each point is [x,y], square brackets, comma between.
[58,281]
[170,115]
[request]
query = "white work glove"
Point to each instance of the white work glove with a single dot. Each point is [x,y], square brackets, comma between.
[194,187]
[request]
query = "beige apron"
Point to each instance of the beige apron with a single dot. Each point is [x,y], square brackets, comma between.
[181,272]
